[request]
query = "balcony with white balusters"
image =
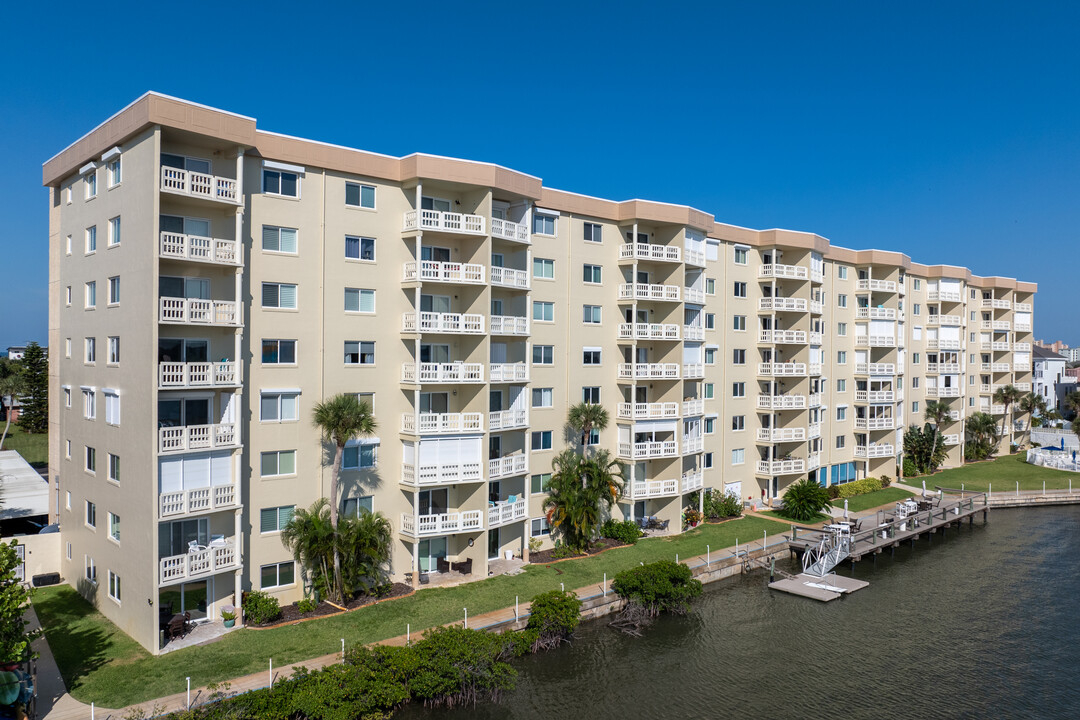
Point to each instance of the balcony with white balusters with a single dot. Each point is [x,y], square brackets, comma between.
[185,375]
[781,435]
[649,331]
[785,272]
[512,231]
[647,291]
[783,337]
[178,246]
[449,373]
[650,251]
[649,371]
[888,286]
[509,325]
[443,323]
[203,186]
[197,311]
[510,278]
[444,272]
[441,524]
[782,304]
[781,402]
[442,423]
[443,222]
[648,411]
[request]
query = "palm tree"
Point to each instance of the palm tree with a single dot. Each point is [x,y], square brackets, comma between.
[10,386]
[310,537]
[982,435]
[1032,404]
[586,417]
[340,419]
[936,412]
[1072,401]
[1006,395]
[580,490]
[365,542]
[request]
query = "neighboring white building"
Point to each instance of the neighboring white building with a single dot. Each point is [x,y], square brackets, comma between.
[16,352]
[1048,372]
[1072,354]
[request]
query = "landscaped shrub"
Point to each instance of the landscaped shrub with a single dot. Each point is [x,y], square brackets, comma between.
[553,617]
[909,468]
[860,487]
[717,504]
[803,500]
[260,607]
[457,666]
[663,586]
[834,491]
[306,605]
[626,531]
[886,481]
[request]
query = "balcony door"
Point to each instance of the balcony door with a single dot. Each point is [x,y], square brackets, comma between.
[183,412]
[434,402]
[181,287]
[493,544]
[429,552]
[175,538]
[435,254]
[434,502]
[183,350]
[434,353]
[435,303]
[198,227]
[433,203]
[643,277]
[495,401]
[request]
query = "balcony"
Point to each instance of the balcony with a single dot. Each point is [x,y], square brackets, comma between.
[874,396]
[997,346]
[875,341]
[1001,367]
[817,307]
[510,278]
[198,500]
[508,466]
[200,185]
[782,369]
[692,481]
[644,489]
[996,325]
[953,439]
[1022,307]
[693,371]
[813,431]
[649,251]
[875,368]
[692,444]
[180,376]
[943,392]
[788,272]
[455,372]
[944,320]
[646,450]
[439,423]
[440,221]
[176,246]
[506,230]
[813,461]
[781,402]
[781,467]
[815,338]
[1022,347]
[509,325]
[783,337]
[645,291]
[781,304]
[220,555]
[648,411]
[1022,387]
[996,304]
[695,257]
[504,513]
[647,371]
[444,272]
[814,400]
[776,435]
[694,295]
[879,450]
[448,323]
[648,331]
[442,524]
[446,472]
[186,438]
[1022,327]
[690,408]
[940,344]
[194,311]
[997,409]
[875,313]
[693,332]
[509,372]
[500,420]
[943,368]
[876,285]
[878,423]
[817,276]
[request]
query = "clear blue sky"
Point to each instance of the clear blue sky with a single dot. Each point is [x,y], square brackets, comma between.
[949,131]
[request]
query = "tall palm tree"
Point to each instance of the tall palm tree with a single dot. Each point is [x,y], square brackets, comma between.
[982,434]
[340,419]
[586,417]
[1031,404]
[310,537]
[1006,395]
[11,386]
[580,490]
[936,412]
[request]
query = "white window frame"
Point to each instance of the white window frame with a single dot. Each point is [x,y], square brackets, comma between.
[277,463]
[360,248]
[550,353]
[546,395]
[114,232]
[112,406]
[359,293]
[358,446]
[90,237]
[275,231]
[279,306]
[114,590]
[279,394]
[360,195]
[361,355]
[592,314]
[113,351]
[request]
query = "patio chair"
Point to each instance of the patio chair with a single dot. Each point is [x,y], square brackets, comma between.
[465,567]
[664,525]
[442,565]
[178,626]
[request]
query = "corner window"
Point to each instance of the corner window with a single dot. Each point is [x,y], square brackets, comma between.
[280,182]
[279,295]
[362,196]
[359,352]
[359,248]
[543,224]
[593,232]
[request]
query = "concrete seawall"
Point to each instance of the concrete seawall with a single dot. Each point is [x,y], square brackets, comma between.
[1034,499]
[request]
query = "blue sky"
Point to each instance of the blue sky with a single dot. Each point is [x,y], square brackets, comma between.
[949,131]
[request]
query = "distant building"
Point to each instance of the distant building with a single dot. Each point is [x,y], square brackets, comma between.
[1048,372]
[16,352]
[1073,354]
[1057,346]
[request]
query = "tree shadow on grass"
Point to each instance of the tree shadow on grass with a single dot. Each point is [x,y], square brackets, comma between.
[80,643]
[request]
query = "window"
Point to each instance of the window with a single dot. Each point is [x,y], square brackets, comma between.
[279,352]
[590,395]
[841,413]
[710,321]
[69,544]
[539,483]
[710,356]
[114,586]
[114,231]
[114,350]
[277,575]
[91,239]
[352,507]
[542,397]
[115,172]
[91,514]
[543,268]
[279,295]
[543,311]
[915,358]
[114,526]
[360,456]
[67,198]
[359,352]
[738,456]
[841,273]
[359,300]
[112,407]
[590,356]
[543,354]
[89,404]
[114,468]
[541,440]
[590,314]
[278,407]
[709,391]
[90,295]
[67,454]
[279,182]
[540,527]
[841,329]
[90,350]
[741,256]
[914,383]
[915,309]
[593,438]
[91,570]
[738,422]
[543,224]
[915,406]
[67,397]
[279,239]
[591,274]
[738,389]
[90,184]
[359,248]
[67,296]
[114,291]
[710,425]
[275,518]
[916,284]
[738,357]
[707,461]
[593,232]
[841,301]
[67,347]
[740,289]
[710,286]
[841,385]
[839,442]
[357,195]
[841,357]
[277,462]
[740,323]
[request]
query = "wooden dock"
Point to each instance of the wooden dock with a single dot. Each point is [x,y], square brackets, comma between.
[829,587]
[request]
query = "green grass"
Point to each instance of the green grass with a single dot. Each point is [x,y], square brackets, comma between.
[819,517]
[1003,473]
[119,673]
[866,501]
[33,448]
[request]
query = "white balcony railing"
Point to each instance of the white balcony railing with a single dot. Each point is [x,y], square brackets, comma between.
[650,251]
[953,439]
[648,331]
[692,444]
[692,481]
[944,368]
[646,450]
[943,296]
[1022,386]
[876,423]
[694,295]
[1022,347]
[875,341]
[781,304]
[446,272]
[642,489]
[508,466]
[874,396]
[875,313]
[450,323]
[437,220]
[814,400]
[781,402]
[783,337]
[815,338]
[1000,367]
[509,325]
[693,371]
[645,371]
[693,332]
[218,556]
[791,272]
[817,307]
[876,285]
[184,438]
[504,513]
[813,431]
[694,257]
[645,291]
[694,407]
[210,187]
[456,372]
[782,369]
[774,435]
[942,344]
[875,368]
[442,524]
[944,320]
[781,467]
[196,500]
[177,246]
[943,392]
[180,375]
[995,325]
[510,278]
[1022,327]
[508,372]
[813,461]
[997,409]
[442,473]
[499,420]
[878,450]
[648,411]
[1022,307]
[509,230]
[996,304]
[437,423]
[195,311]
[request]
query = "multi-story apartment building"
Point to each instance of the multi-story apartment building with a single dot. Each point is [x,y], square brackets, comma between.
[211,281]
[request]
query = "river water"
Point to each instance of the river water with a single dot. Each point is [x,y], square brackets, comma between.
[983,623]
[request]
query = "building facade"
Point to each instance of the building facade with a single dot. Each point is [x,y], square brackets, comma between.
[210,282]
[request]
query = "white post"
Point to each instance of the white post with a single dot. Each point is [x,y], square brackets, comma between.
[989,490]
[605,584]
[708,556]
[466,618]
[407,633]
[676,558]
[765,541]
[271,672]
[516,615]
[91,711]
[189,693]
[562,587]
[342,650]
[1044,487]
[1017,488]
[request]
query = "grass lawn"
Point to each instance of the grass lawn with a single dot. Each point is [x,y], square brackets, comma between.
[1003,473]
[33,448]
[813,521]
[885,496]
[106,667]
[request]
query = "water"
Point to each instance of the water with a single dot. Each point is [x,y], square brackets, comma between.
[979,624]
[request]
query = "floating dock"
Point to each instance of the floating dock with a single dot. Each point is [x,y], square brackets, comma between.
[826,588]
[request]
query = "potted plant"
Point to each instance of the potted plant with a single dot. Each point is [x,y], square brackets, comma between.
[228,614]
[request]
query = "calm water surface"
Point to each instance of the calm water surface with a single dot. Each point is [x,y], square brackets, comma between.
[984,623]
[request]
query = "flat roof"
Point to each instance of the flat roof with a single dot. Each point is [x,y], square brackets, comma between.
[24,492]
